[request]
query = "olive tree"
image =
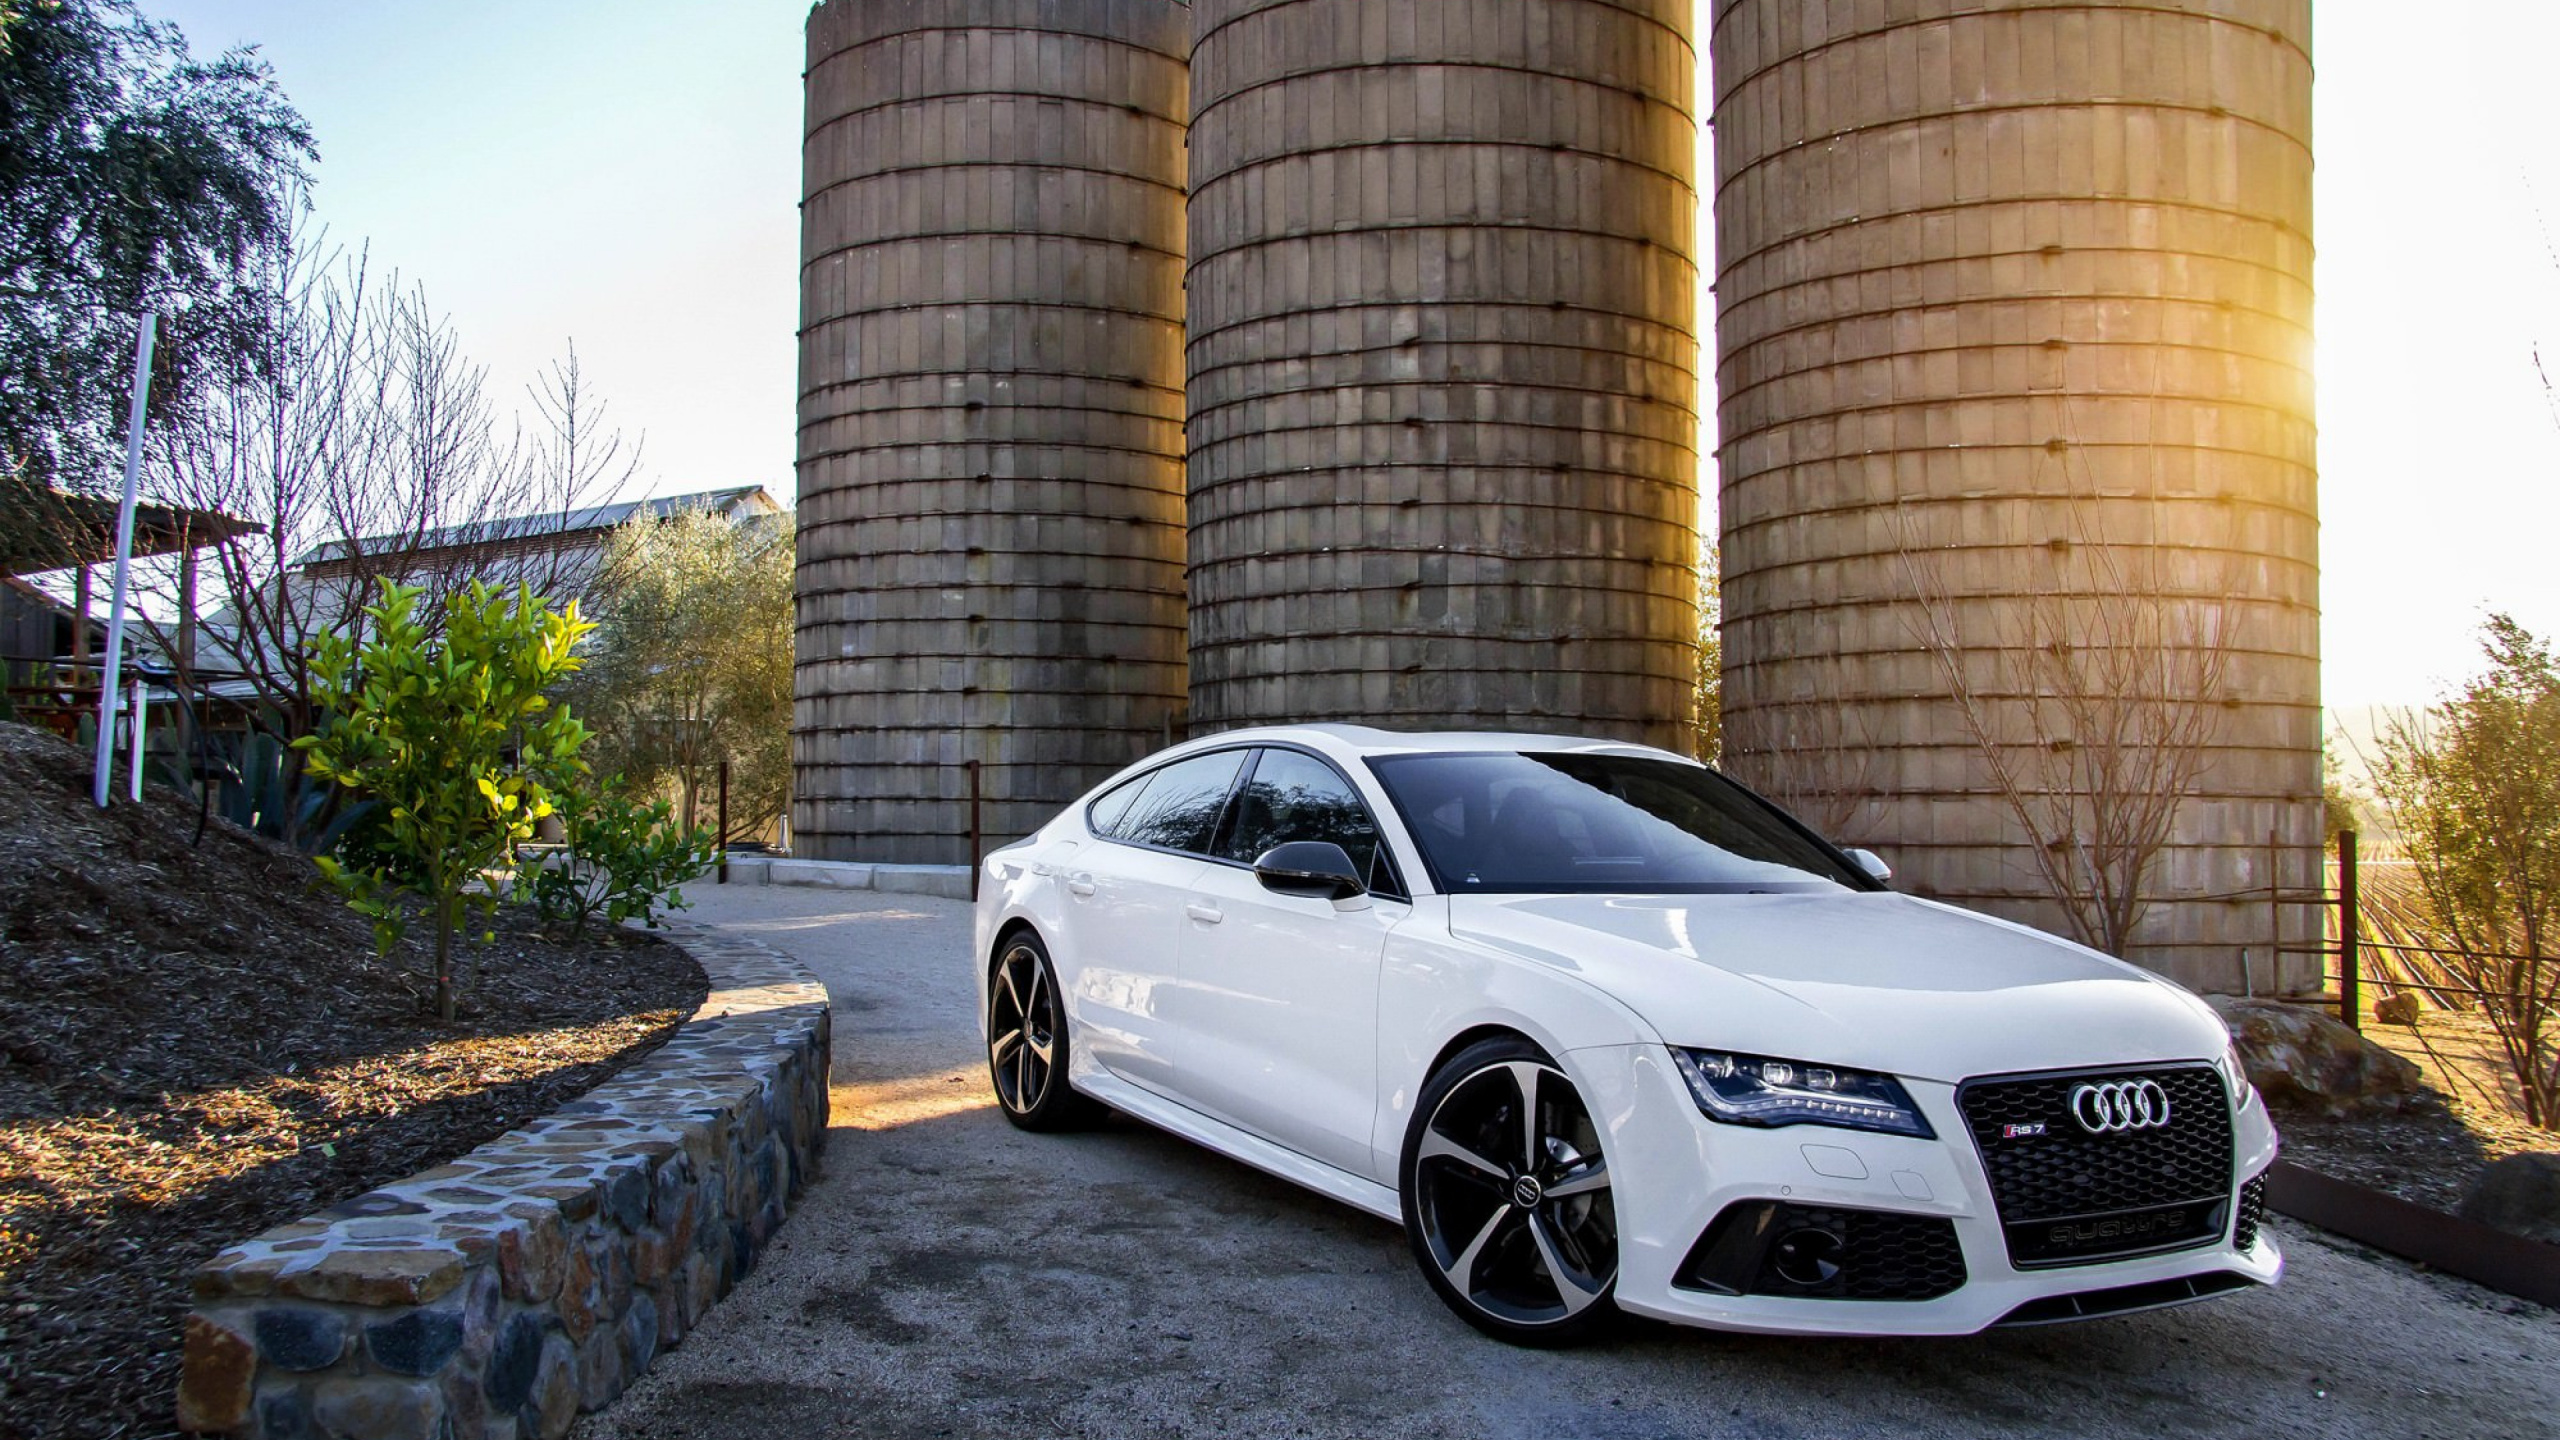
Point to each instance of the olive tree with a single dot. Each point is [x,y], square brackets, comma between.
[2472,786]
[692,661]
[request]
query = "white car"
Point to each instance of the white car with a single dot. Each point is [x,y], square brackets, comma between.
[1603,1029]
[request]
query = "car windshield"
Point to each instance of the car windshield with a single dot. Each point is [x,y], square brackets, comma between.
[1536,823]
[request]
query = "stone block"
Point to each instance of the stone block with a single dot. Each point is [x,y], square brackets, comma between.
[601,1369]
[533,1257]
[284,1413]
[218,1369]
[672,1326]
[652,1256]
[626,1198]
[418,1343]
[515,1361]
[380,1278]
[554,1404]
[300,1337]
[581,1297]
[373,1408]
[639,1334]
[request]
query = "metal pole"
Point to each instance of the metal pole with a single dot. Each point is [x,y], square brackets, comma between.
[977,847]
[724,822]
[2275,917]
[2350,984]
[124,561]
[138,723]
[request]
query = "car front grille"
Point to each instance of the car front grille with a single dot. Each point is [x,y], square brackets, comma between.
[2253,1211]
[2068,1196]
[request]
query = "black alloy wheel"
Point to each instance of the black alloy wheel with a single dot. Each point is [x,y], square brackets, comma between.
[1506,1196]
[1027,1038]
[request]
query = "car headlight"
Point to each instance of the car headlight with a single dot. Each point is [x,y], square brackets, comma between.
[2236,1075]
[1755,1090]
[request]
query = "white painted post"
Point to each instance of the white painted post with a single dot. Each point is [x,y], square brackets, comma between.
[138,720]
[105,763]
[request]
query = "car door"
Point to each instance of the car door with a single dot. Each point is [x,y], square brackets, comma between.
[1275,1012]
[1124,908]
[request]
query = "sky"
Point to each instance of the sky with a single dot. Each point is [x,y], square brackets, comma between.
[625,173]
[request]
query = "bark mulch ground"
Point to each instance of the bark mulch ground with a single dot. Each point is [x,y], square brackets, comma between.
[198,1043]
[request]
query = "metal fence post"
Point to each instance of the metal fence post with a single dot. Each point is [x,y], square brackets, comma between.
[724,822]
[2350,984]
[977,843]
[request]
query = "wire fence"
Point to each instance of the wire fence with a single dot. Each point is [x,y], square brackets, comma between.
[2368,937]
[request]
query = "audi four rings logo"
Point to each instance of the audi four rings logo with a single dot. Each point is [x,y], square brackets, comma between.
[2119,1106]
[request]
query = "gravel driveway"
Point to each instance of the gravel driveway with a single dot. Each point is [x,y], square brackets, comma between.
[950,1276]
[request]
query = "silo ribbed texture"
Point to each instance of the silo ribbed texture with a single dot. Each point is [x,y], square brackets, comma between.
[1443,364]
[991,503]
[2011,299]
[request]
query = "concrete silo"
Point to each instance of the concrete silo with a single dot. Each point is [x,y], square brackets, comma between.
[2014,348]
[991,502]
[1443,364]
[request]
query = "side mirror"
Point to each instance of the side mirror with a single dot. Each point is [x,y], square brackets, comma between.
[1318,869]
[1873,864]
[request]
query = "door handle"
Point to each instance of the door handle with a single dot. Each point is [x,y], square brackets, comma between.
[1205,914]
[1080,884]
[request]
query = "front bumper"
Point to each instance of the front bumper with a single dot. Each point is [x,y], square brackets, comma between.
[1674,1171]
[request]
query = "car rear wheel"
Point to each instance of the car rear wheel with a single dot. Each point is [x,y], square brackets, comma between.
[1506,1196]
[1027,1039]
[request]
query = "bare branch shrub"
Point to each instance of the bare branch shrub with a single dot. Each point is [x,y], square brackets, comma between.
[1810,754]
[361,445]
[2093,702]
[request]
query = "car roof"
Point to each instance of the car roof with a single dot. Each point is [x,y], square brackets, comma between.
[1344,739]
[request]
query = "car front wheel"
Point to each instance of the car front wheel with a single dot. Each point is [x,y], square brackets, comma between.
[1506,1196]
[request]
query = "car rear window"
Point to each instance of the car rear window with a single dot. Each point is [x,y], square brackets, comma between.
[1180,807]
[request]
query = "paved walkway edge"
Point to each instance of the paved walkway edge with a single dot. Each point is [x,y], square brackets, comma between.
[536,1277]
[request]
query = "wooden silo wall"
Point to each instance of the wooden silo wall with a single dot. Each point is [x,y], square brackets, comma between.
[2010,300]
[991,502]
[1443,364]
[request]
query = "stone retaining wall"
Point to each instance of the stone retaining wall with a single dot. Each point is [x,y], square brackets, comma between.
[535,1277]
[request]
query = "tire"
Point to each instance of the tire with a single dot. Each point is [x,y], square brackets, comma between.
[1027,1039]
[1514,1227]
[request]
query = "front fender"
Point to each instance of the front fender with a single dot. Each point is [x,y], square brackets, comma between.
[1434,987]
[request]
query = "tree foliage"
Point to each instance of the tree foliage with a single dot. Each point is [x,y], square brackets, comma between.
[623,860]
[131,175]
[692,662]
[2473,788]
[451,730]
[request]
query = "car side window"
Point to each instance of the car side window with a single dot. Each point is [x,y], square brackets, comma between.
[1298,797]
[1180,810]
[1105,814]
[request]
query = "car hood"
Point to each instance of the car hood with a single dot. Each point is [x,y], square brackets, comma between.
[1873,981]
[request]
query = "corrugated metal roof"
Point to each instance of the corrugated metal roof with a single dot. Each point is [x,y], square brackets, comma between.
[524,527]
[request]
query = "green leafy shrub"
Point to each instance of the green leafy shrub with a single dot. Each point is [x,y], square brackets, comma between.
[450,731]
[623,862]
